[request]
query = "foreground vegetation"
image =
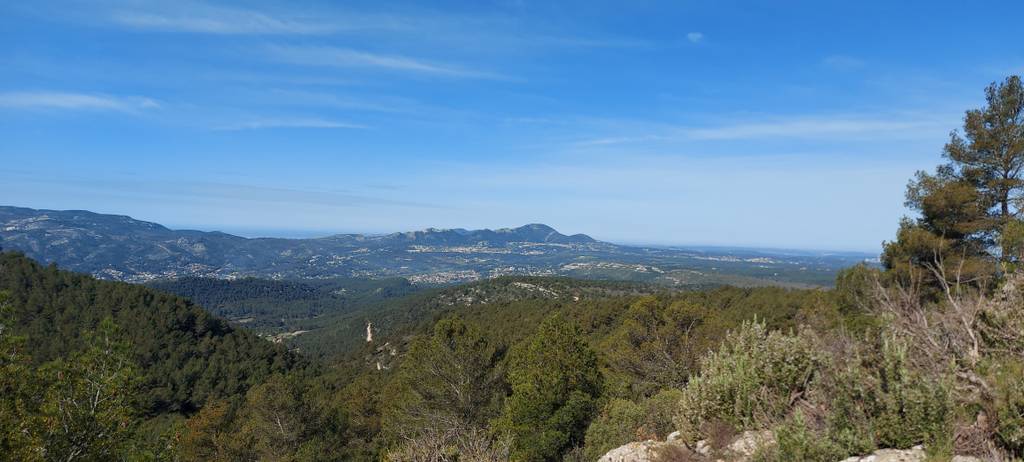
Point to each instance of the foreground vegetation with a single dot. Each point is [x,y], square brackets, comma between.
[927,351]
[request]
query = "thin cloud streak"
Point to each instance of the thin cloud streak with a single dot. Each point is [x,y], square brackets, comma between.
[806,128]
[206,19]
[259,124]
[346,57]
[74,101]
[812,127]
[185,190]
[490,31]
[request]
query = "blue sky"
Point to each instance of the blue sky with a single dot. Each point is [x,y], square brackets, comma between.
[767,123]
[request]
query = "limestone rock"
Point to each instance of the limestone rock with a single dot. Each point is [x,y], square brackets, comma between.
[915,454]
[703,448]
[748,443]
[643,451]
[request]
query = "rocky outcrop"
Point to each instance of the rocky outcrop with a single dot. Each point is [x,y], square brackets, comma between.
[748,443]
[914,454]
[742,449]
[647,451]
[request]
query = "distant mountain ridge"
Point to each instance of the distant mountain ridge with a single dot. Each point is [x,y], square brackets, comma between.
[123,248]
[534,232]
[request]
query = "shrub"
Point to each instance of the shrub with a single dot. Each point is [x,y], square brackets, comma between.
[622,421]
[445,445]
[616,425]
[750,382]
[848,391]
[659,410]
[795,440]
[1008,388]
[910,409]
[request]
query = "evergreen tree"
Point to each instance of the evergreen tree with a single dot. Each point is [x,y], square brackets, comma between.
[275,420]
[446,378]
[555,385]
[17,392]
[990,155]
[445,391]
[650,345]
[968,202]
[87,411]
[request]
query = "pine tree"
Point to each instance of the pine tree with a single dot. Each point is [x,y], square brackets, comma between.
[88,408]
[555,384]
[968,202]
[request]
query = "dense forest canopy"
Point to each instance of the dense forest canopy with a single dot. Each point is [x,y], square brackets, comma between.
[272,307]
[185,355]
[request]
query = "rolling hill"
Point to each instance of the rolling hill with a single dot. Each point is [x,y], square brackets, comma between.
[122,248]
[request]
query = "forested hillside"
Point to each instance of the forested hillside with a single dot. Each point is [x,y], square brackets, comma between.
[187,360]
[272,307]
[396,388]
[185,356]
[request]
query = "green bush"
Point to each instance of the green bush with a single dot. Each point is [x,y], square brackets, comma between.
[622,421]
[1008,388]
[750,381]
[795,440]
[616,425]
[909,409]
[848,391]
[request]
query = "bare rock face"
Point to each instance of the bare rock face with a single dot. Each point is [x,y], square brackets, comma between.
[633,452]
[744,447]
[740,450]
[914,454]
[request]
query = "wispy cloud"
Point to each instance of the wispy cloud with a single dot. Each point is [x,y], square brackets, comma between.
[269,123]
[617,140]
[74,101]
[201,18]
[806,127]
[346,57]
[842,62]
[186,191]
[695,37]
[834,127]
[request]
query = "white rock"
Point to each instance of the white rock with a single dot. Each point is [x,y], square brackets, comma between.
[915,454]
[703,448]
[748,443]
[896,455]
[631,452]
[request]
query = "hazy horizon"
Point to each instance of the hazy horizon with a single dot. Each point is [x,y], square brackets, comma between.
[304,234]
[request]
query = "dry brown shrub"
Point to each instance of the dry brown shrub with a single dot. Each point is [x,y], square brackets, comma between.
[719,433]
